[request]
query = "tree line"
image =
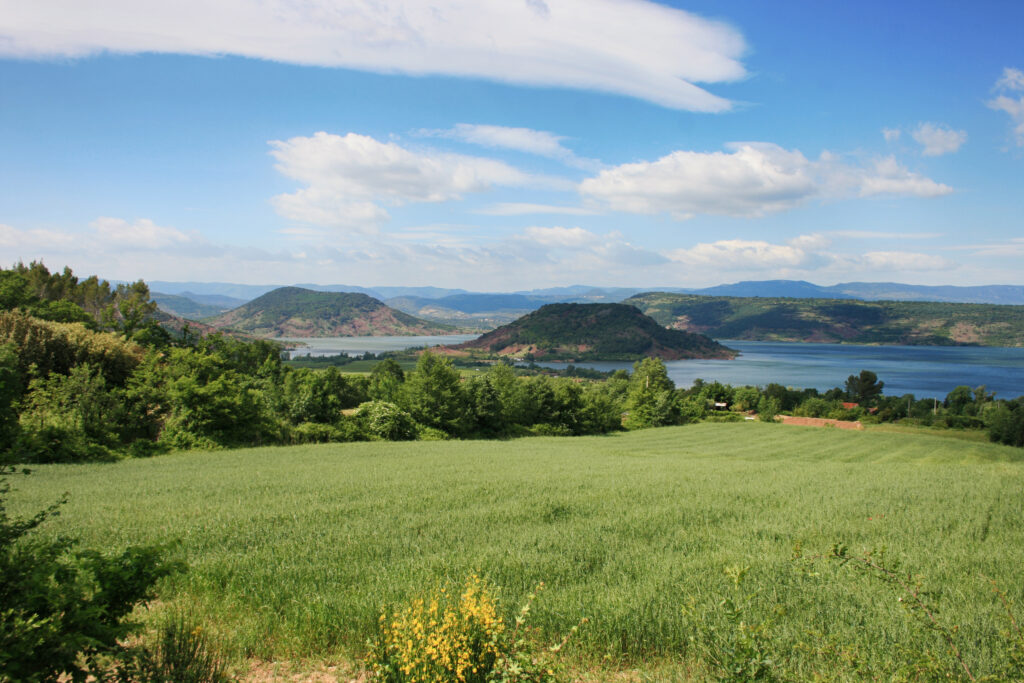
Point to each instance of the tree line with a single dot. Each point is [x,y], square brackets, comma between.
[102,380]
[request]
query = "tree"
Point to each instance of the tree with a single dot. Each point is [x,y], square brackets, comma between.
[651,400]
[386,380]
[433,396]
[864,388]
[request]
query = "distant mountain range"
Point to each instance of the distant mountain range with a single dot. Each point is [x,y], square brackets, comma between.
[298,312]
[836,320]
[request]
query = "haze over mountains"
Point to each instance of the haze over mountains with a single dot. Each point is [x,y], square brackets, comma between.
[461,307]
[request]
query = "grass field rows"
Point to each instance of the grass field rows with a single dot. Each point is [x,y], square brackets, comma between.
[294,551]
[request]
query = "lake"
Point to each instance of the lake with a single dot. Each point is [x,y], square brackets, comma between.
[925,371]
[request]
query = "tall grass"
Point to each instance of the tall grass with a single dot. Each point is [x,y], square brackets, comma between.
[294,551]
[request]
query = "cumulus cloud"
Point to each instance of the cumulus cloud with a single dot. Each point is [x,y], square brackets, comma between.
[1011,81]
[16,241]
[637,48]
[540,142]
[753,179]
[345,177]
[888,176]
[801,252]
[938,139]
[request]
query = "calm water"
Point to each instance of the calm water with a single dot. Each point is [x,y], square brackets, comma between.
[925,371]
[356,346]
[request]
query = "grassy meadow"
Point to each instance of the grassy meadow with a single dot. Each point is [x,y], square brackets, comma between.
[294,551]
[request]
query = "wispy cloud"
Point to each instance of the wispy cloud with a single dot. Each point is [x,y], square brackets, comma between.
[1011,81]
[540,142]
[891,134]
[752,179]
[638,48]
[525,209]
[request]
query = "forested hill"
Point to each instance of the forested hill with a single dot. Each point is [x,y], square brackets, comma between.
[297,312]
[593,332]
[837,320]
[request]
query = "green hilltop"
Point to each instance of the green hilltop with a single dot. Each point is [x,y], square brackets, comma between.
[837,320]
[298,312]
[593,332]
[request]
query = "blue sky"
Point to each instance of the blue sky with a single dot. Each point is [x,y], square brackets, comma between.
[514,144]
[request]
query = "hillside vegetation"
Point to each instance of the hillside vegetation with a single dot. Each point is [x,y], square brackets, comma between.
[836,320]
[593,331]
[297,312]
[294,551]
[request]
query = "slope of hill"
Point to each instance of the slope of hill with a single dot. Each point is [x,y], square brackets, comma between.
[593,332]
[834,320]
[297,312]
[185,307]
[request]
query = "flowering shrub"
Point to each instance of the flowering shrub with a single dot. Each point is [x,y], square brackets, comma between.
[458,639]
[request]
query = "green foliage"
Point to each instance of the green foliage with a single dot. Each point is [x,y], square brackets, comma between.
[386,380]
[651,400]
[742,648]
[1006,425]
[10,392]
[61,606]
[182,653]
[864,388]
[597,331]
[45,347]
[69,418]
[383,420]
[433,395]
[768,409]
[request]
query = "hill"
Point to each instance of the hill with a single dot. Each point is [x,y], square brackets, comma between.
[593,332]
[187,307]
[297,312]
[837,320]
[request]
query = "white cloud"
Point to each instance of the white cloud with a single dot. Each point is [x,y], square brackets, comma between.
[748,254]
[754,179]
[142,234]
[540,142]
[888,176]
[938,139]
[878,235]
[16,241]
[561,237]
[346,175]
[891,134]
[1011,80]
[636,48]
[902,261]
[523,209]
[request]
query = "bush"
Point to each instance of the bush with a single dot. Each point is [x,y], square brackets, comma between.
[383,420]
[458,639]
[182,654]
[61,607]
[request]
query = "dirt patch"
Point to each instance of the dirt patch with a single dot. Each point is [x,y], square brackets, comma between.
[300,672]
[819,422]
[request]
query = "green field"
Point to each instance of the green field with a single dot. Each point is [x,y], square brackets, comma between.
[294,551]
